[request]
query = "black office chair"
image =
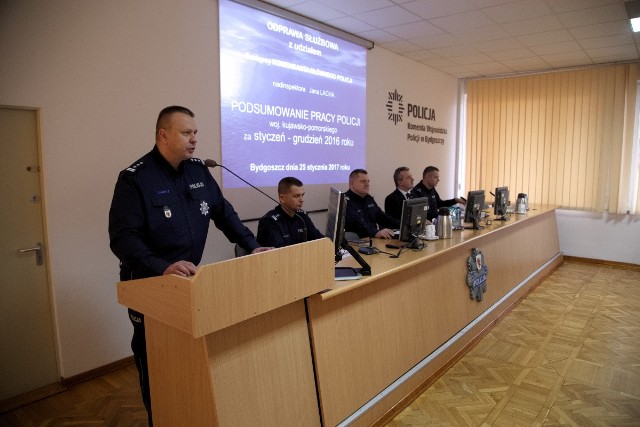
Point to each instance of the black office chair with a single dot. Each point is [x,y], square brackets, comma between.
[351,236]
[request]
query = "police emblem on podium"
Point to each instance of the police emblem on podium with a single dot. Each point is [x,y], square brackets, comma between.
[477,274]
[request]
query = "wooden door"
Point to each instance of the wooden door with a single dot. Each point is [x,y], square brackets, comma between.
[27,340]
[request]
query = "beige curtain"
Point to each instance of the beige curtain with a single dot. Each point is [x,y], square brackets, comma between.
[564,138]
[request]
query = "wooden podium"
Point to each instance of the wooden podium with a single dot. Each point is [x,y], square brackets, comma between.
[230,345]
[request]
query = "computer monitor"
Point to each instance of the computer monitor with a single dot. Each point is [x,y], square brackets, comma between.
[413,219]
[475,203]
[500,203]
[336,214]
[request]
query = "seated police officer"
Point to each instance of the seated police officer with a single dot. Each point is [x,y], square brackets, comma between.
[427,188]
[364,217]
[287,224]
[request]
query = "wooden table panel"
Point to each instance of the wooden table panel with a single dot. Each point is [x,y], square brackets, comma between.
[368,333]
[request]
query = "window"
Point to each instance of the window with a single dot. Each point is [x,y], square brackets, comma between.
[565,138]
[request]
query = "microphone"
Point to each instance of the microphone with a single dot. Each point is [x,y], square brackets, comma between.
[212,164]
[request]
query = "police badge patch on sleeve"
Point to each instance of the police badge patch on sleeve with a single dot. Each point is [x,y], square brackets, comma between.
[476,274]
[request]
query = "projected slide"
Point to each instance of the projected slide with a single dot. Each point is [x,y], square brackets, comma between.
[293,100]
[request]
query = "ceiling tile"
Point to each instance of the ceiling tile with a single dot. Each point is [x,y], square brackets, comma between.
[414,30]
[319,11]
[526,64]
[496,45]
[533,26]
[471,59]
[285,4]
[594,15]
[569,5]
[459,71]
[547,49]
[511,54]
[466,38]
[425,55]
[428,9]
[480,4]
[460,50]
[623,50]
[438,63]
[566,57]
[610,41]
[623,57]
[401,46]
[518,11]
[351,25]
[378,36]
[462,21]
[436,41]
[356,6]
[475,35]
[388,17]
[490,68]
[546,38]
[601,30]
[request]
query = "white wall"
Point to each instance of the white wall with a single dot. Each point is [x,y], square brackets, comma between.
[99,73]
[387,143]
[600,236]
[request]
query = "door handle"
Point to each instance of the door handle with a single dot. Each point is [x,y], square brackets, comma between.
[37,249]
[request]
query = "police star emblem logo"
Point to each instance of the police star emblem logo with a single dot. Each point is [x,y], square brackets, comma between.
[204,208]
[395,107]
[477,274]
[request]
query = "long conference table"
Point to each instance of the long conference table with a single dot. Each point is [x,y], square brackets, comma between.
[272,339]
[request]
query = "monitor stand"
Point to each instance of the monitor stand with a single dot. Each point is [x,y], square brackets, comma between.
[416,244]
[476,224]
[502,217]
[350,273]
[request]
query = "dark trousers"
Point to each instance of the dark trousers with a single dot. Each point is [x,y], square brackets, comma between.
[139,347]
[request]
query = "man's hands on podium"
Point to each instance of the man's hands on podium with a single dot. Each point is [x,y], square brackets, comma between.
[181,268]
[262,249]
[186,268]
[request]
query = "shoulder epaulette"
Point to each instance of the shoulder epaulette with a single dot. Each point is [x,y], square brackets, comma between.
[197,161]
[134,167]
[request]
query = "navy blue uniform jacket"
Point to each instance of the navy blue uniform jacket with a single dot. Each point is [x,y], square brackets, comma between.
[433,198]
[364,216]
[160,215]
[276,228]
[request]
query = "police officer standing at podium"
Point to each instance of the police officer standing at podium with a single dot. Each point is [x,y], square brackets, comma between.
[160,213]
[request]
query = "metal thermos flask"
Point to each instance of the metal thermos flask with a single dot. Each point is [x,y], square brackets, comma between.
[522,203]
[444,226]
